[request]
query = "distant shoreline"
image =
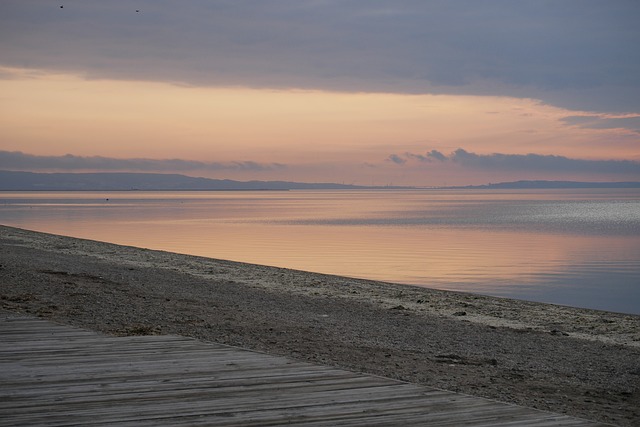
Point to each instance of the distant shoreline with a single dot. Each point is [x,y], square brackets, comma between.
[541,185]
[568,360]
[30,181]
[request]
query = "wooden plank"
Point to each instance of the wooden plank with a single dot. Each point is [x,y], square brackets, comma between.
[58,375]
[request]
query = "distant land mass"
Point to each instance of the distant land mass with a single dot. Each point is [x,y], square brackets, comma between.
[30,181]
[116,181]
[551,185]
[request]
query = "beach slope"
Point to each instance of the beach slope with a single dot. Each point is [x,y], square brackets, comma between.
[580,362]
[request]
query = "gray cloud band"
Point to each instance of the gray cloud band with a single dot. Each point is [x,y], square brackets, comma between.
[522,162]
[15,160]
[542,50]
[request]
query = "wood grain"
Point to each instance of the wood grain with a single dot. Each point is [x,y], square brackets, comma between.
[54,374]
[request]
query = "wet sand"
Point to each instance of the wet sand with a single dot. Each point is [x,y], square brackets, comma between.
[580,362]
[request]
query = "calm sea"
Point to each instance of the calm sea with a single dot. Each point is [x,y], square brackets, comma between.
[570,247]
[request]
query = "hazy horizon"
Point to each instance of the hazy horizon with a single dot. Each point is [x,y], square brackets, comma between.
[371,93]
[150,181]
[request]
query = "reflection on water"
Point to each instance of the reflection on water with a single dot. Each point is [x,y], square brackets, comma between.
[578,247]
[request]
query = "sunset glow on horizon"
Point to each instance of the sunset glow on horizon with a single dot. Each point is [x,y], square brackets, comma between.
[305,131]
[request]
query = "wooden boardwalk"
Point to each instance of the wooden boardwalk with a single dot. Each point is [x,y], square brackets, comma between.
[52,374]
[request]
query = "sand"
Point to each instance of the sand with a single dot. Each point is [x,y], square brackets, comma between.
[580,362]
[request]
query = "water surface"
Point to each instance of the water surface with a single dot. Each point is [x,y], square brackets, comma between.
[571,247]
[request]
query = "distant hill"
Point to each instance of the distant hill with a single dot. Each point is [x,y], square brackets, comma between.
[29,181]
[114,181]
[552,185]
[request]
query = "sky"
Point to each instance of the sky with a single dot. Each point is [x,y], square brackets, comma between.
[367,92]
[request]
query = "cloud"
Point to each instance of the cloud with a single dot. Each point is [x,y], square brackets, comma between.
[434,154]
[603,122]
[15,160]
[396,159]
[428,157]
[415,156]
[527,162]
[580,54]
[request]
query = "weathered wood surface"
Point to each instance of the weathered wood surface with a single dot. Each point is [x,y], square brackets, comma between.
[53,374]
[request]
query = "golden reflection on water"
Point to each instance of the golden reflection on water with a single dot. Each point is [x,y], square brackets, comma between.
[448,240]
[449,258]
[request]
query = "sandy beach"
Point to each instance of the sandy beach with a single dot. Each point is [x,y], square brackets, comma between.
[580,362]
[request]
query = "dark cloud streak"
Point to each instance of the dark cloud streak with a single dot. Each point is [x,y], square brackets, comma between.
[396,159]
[526,162]
[597,122]
[580,54]
[15,160]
